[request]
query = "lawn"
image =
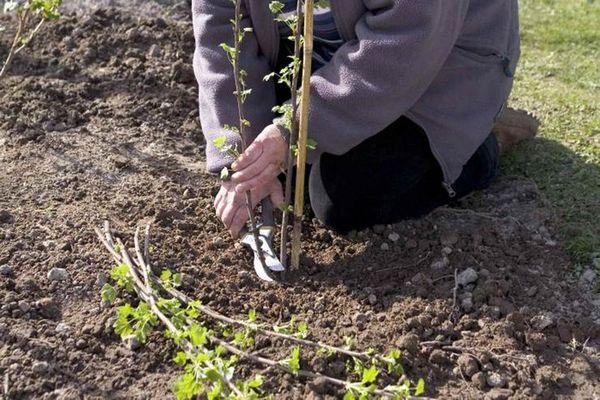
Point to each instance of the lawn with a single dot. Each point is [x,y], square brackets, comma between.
[559,80]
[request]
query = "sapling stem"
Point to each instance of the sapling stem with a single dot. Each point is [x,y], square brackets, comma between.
[303,133]
[23,19]
[294,125]
[239,94]
[46,9]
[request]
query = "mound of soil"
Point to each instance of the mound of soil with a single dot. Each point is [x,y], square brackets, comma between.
[102,124]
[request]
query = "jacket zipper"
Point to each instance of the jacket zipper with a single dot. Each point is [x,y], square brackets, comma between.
[449,189]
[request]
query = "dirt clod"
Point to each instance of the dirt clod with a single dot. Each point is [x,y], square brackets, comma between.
[478,379]
[468,365]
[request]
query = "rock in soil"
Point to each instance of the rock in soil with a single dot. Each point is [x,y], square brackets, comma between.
[40,367]
[132,342]
[6,270]
[393,237]
[467,276]
[495,380]
[58,274]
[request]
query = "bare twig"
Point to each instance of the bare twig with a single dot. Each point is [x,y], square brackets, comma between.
[454,297]
[6,385]
[143,288]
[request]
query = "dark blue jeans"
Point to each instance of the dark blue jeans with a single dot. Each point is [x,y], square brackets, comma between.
[390,177]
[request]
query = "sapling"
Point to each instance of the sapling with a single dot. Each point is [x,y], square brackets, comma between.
[298,138]
[210,345]
[31,16]
[241,93]
[302,133]
[289,76]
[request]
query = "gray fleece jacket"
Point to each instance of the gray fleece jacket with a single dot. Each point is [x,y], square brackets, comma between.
[446,64]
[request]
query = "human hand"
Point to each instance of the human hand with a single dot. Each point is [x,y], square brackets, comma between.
[261,162]
[230,205]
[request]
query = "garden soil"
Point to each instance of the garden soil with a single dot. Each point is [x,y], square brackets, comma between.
[98,121]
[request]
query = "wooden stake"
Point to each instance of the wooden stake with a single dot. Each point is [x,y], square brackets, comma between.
[303,133]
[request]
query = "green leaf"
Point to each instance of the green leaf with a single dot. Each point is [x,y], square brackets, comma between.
[108,293]
[420,387]
[197,335]
[121,275]
[293,363]
[276,7]
[187,387]
[349,396]
[180,359]
[122,325]
[165,275]
[256,382]
[252,315]
[370,375]
[302,330]
[311,144]
[220,142]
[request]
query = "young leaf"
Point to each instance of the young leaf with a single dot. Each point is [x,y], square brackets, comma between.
[180,359]
[220,142]
[420,387]
[108,293]
[293,363]
[370,375]
[276,7]
[120,274]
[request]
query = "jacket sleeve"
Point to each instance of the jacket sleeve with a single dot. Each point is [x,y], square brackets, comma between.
[214,73]
[371,81]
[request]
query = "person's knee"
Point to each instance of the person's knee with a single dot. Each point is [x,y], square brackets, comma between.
[324,208]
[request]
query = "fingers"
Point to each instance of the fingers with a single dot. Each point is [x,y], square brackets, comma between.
[250,171]
[238,221]
[230,210]
[252,153]
[265,176]
[276,194]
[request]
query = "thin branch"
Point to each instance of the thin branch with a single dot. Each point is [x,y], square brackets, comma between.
[147,294]
[239,89]
[23,19]
[30,36]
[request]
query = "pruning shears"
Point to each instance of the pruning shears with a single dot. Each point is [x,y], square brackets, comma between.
[265,237]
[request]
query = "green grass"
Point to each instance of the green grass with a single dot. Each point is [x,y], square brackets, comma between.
[559,80]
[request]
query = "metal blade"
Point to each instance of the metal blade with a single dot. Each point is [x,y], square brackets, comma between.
[265,237]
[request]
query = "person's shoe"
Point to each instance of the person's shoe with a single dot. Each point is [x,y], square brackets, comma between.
[513,127]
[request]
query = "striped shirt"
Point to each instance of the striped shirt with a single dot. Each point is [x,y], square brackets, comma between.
[327,39]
